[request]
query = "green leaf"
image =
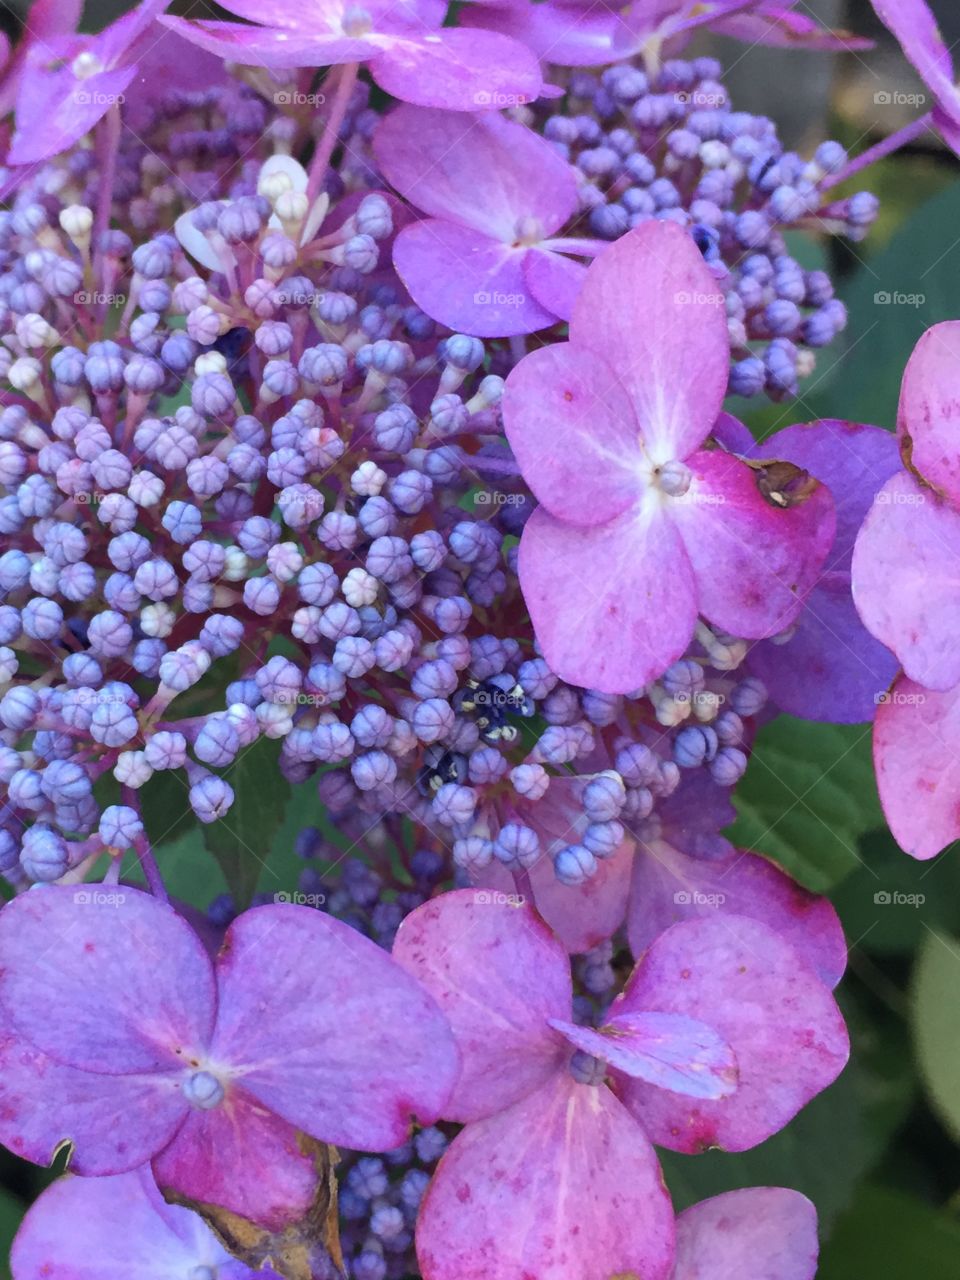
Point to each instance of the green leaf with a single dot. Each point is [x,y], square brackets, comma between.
[807,797]
[241,841]
[936,1024]
[12,1210]
[165,806]
[893,1236]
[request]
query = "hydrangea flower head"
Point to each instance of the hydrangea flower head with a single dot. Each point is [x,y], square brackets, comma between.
[643,526]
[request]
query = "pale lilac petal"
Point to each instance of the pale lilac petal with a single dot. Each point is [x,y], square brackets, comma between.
[466,280]
[55,108]
[612,606]
[916,30]
[779,26]
[670,886]
[554,280]
[764,1233]
[754,562]
[459,70]
[269,47]
[906,580]
[43,1104]
[498,974]
[573,432]
[916,752]
[664,1049]
[652,308]
[242,1157]
[562,1185]
[565,36]
[928,422]
[482,170]
[71,1233]
[352,1047]
[132,973]
[782,1023]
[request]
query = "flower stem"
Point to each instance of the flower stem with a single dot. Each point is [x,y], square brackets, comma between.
[346,79]
[902,138]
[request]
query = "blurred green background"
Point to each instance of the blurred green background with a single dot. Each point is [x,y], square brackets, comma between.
[879,1152]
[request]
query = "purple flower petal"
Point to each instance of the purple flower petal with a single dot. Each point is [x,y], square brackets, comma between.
[766,1233]
[554,280]
[777,25]
[273,47]
[914,26]
[459,70]
[564,35]
[498,974]
[930,408]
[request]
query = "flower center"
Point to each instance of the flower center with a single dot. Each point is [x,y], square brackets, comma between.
[528,230]
[203,1090]
[357,23]
[87,64]
[673,478]
[586,1069]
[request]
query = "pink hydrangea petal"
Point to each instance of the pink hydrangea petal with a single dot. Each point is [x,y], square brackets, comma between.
[752,987]
[664,1049]
[269,47]
[563,1184]
[670,886]
[242,1157]
[564,36]
[71,1233]
[777,25]
[928,422]
[612,606]
[352,1047]
[905,584]
[916,753]
[766,1233]
[754,562]
[132,973]
[916,30]
[481,170]
[571,427]
[554,280]
[652,308]
[459,70]
[466,280]
[55,109]
[832,668]
[498,974]
[43,1104]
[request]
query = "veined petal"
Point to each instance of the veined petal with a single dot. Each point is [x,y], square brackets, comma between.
[766,1233]
[928,421]
[459,70]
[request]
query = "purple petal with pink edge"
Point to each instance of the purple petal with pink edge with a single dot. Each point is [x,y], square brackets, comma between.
[777,25]
[916,30]
[582,916]
[651,307]
[831,669]
[916,754]
[466,280]
[669,885]
[242,1157]
[753,988]
[56,108]
[71,1233]
[754,562]
[270,47]
[854,461]
[132,973]
[43,1104]
[906,580]
[573,432]
[664,1049]
[350,1048]
[733,435]
[123,39]
[766,1233]
[483,171]
[498,974]
[563,35]
[563,1184]
[554,280]
[928,421]
[696,811]
[459,70]
[48,18]
[611,606]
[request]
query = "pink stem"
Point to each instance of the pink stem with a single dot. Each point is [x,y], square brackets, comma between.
[108,144]
[346,79]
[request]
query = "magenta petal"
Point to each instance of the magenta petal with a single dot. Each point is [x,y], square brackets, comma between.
[466,280]
[498,974]
[928,422]
[242,1157]
[651,307]
[71,1233]
[564,36]
[562,1186]
[777,25]
[55,108]
[554,280]
[112,986]
[327,1031]
[916,752]
[916,30]
[483,171]
[612,606]
[754,562]
[669,886]
[269,47]
[43,1104]
[459,71]
[752,987]
[905,581]
[664,1049]
[572,430]
[764,1233]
